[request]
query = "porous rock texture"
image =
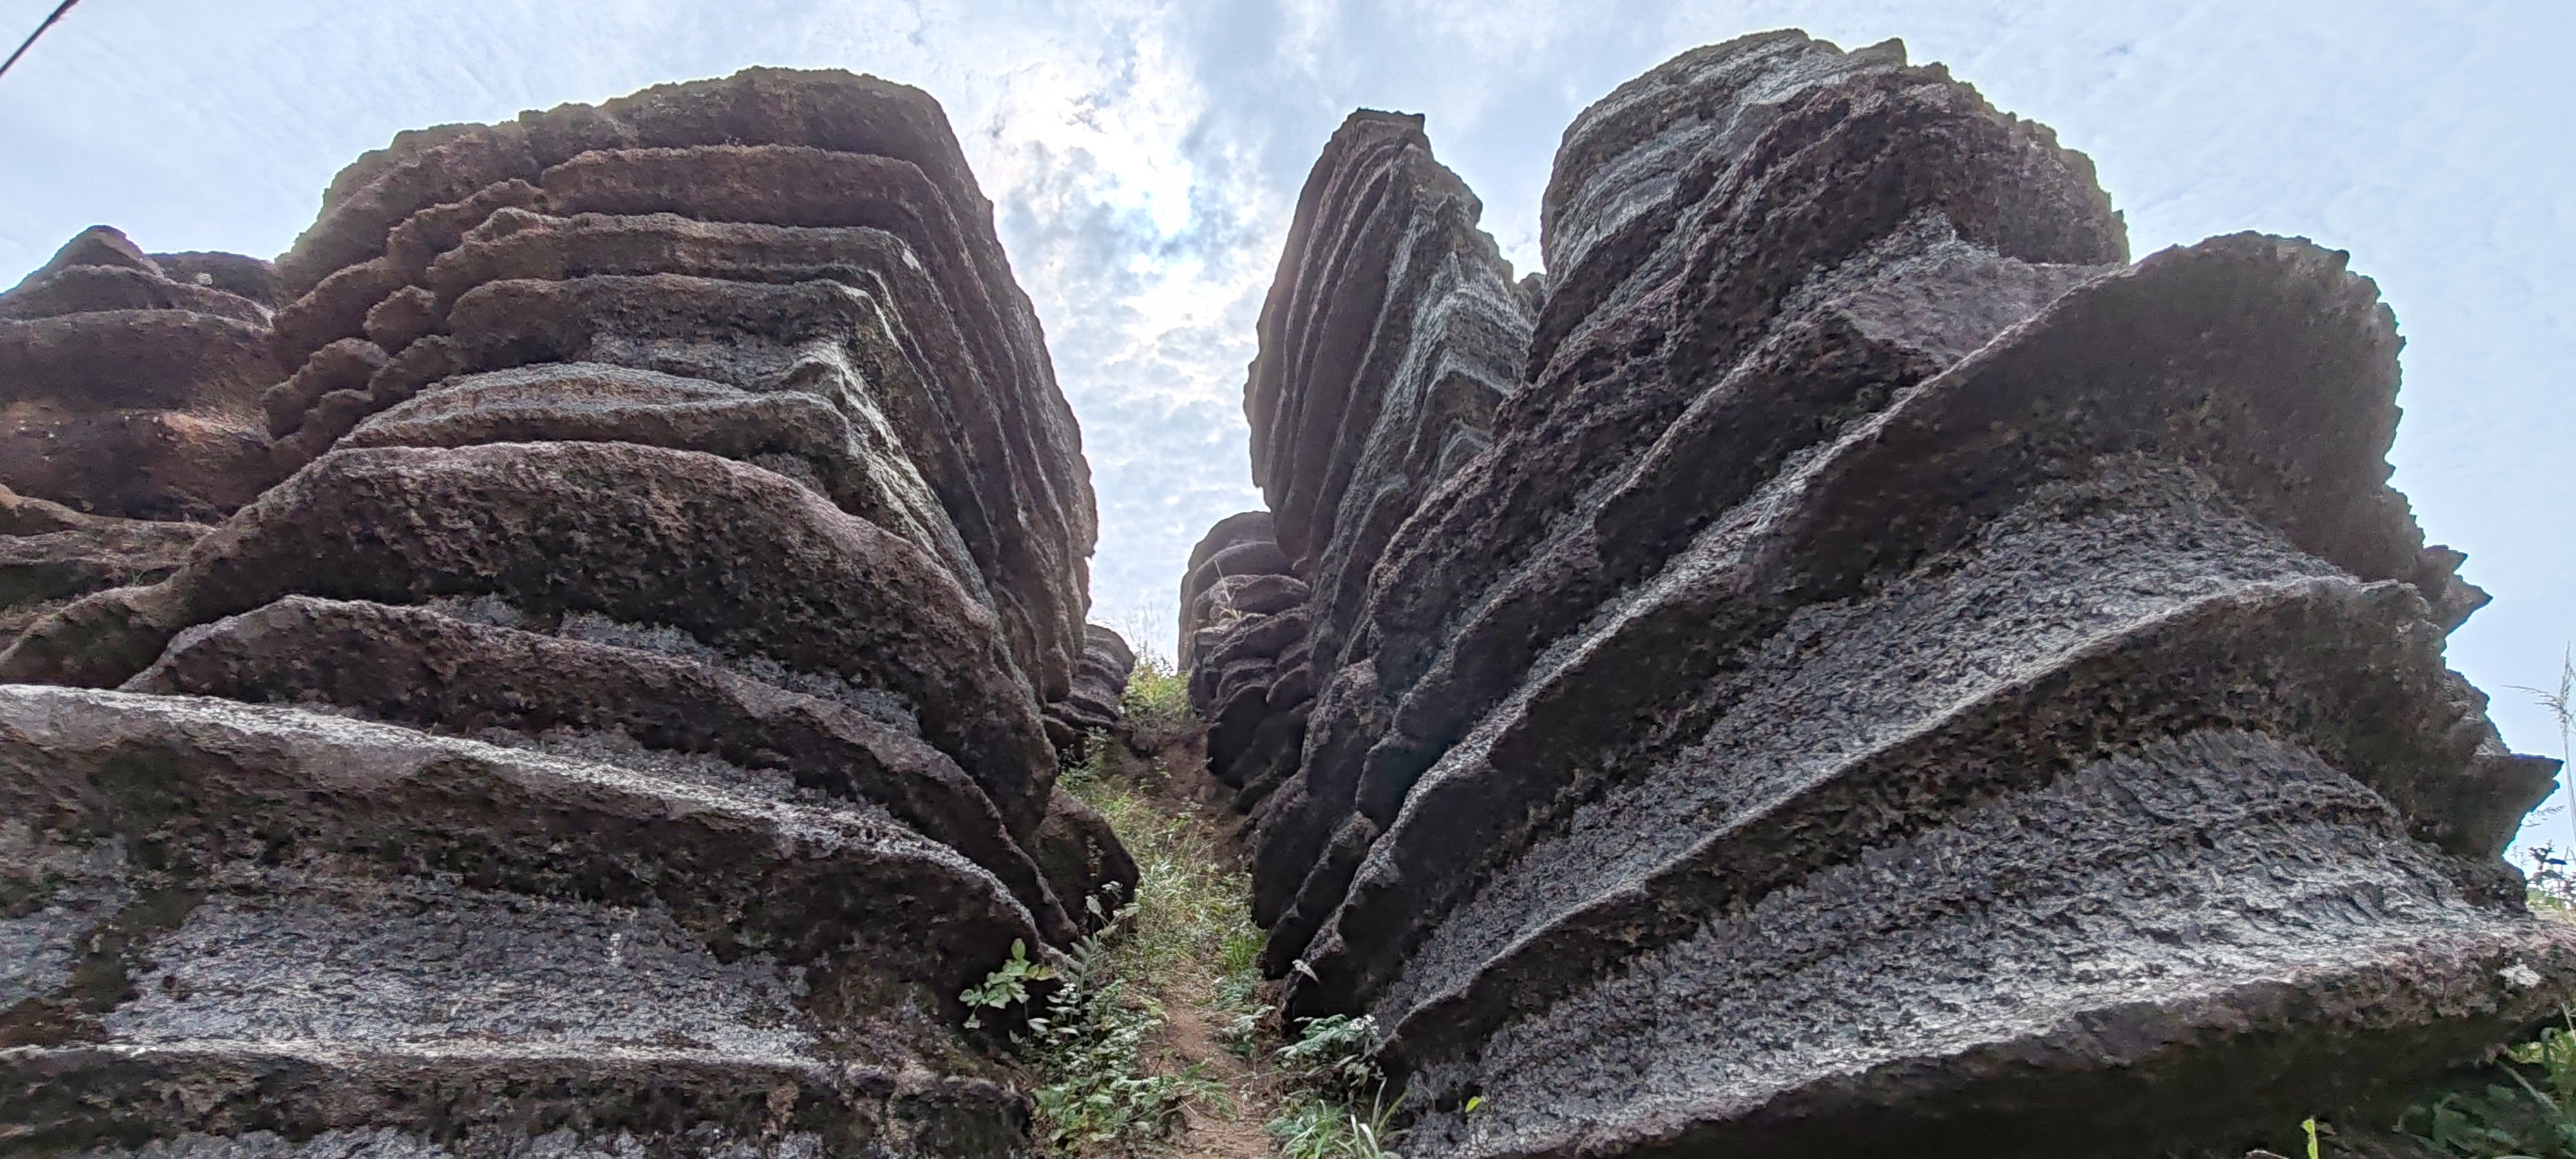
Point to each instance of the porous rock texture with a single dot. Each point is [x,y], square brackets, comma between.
[1391,332]
[626,726]
[1848,663]
[129,417]
[1099,685]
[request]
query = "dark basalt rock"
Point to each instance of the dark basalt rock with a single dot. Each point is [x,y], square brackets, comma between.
[342,925]
[1083,859]
[416,666]
[131,390]
[440,253]
[1846,662]
[627,725]
[1244,622]
[1097,702]
[1391,333]
[51,554]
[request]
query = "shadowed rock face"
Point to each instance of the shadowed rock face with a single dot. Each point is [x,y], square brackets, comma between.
[1392,331]
[629,723]
[129,388]
[1884,674]
[1099,687]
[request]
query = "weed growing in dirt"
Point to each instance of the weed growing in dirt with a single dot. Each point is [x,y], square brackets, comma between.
[1157,703]
[1186,938]
[1312,1126]
[1334,1065]
[1101,1097]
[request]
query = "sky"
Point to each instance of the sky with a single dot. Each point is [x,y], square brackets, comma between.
[1144,158]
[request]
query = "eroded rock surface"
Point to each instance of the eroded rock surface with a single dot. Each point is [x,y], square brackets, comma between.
[129,389]
[1846,661]
[129,422]
[633,718]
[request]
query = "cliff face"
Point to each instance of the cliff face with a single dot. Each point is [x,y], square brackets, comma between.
[1859,664]
[573,658]
[1390,334]
[625,724]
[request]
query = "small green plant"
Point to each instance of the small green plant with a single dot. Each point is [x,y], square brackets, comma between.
[1337,1054]
[1080,775]
[1107,1081]
[1098,1096]
[1090,1043]
[1238,998]
[1334,1061]
[1157,702]
[2549,883]
[1005,987]
[1312,1126]
[2554,1052]
[2528,1120]
[2561,703]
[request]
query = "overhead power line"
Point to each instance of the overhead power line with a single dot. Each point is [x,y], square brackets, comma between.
[30,42]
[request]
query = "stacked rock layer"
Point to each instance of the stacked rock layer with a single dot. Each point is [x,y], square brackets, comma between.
[1888,676]
[129,389]
[624,726]
[1392,330]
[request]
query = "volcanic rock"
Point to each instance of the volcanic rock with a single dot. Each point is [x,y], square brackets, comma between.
[627,726]
[1846,662]
[127,392]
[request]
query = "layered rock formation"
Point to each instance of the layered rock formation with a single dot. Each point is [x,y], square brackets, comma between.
[1392,330]
[1244,626]
[625,727]
[1099,683]
[131,381]
[1889,675]
[129,388]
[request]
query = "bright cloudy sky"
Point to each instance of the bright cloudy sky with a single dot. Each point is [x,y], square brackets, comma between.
[1145,156]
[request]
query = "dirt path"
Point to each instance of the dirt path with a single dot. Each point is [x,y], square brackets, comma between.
[1179,787]
[1233,1132]
[1192,1034]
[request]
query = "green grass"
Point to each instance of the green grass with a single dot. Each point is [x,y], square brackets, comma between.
[1157,703]
[1186,937]
[1340,1107]
[1099,1096]
[1315,1126]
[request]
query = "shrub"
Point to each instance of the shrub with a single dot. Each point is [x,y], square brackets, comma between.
[1157,703]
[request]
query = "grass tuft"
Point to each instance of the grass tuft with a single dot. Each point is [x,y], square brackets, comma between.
[1334,1066]
[1106,1086]
[1316,1126]
[1157,704]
